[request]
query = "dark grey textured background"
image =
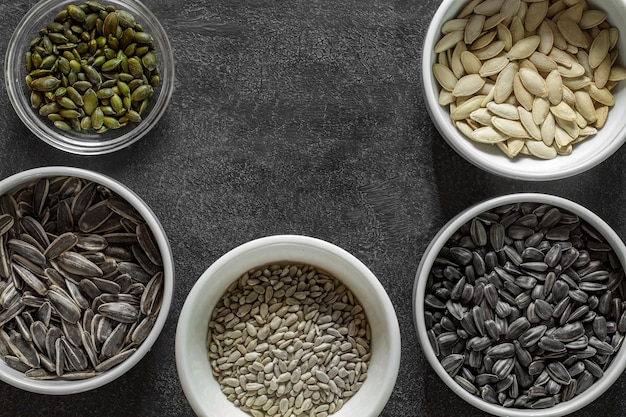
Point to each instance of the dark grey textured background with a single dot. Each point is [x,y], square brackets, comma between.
[304,117]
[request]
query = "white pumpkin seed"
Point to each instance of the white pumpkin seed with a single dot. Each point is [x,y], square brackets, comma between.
[504,82]
[599,48]
[474,28]
[584,105]
[504,34]
[563,111]
[541,108]
[534,83]
[540,149]
[489,51]
[546,38]
[493,66]
[521,94]
[482,116]
[510,128]
[526,118]
[468,85]
[487,134]
[470,62]
[448,41]
[572,33]
[488,7]
[548,130]
[453,25]
[463,111]
[601,95]
[554,83]
[535,15]
[602,73]
[504,110]
[445,77]
[524,47]
[591,18]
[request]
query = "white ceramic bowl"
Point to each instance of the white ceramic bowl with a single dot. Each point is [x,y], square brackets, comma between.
[585,155]
[597,389]
[194,370]
[65,387]
[77,142]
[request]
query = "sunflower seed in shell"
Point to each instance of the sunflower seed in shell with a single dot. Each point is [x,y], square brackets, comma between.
[119,311]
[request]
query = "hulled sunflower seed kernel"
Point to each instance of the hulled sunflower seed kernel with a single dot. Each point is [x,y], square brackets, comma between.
[304,338]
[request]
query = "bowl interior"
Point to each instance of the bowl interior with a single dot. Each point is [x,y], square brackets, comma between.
[611,373]
[194,369]
[76,142]
[585,155]
[63,387]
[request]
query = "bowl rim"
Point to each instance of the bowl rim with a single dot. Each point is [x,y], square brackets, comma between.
[301,242]
[72,142]
[473,152]
[63,387]
[598,388]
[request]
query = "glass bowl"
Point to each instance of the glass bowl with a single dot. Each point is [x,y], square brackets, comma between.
[85,143]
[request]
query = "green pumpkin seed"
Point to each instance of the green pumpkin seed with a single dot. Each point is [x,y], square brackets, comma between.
[75,96]
[60,124]
[142,92]
[126,20]
[111,64]
[69,114]
[36,99]
[117,103]
[135,67]
[111,122]
[110,24]
[104,93]
[92,74]
[97,119]
[66,103]
[143,37]
[49,108]
[90,101]
[48,83]
[149,61]
[76,13]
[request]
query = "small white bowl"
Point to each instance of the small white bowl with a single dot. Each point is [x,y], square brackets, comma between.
[585,155]
[65,387]
[611,374]
[194,370]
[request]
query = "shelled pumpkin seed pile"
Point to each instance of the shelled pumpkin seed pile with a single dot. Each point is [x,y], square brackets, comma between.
[533,78]
[93,68]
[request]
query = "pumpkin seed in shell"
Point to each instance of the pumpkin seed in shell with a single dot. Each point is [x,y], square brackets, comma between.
[537,57]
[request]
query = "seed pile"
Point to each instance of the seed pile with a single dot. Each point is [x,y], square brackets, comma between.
[533,78]
[289,340]
[80,279]
[92,69]
[524,306]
